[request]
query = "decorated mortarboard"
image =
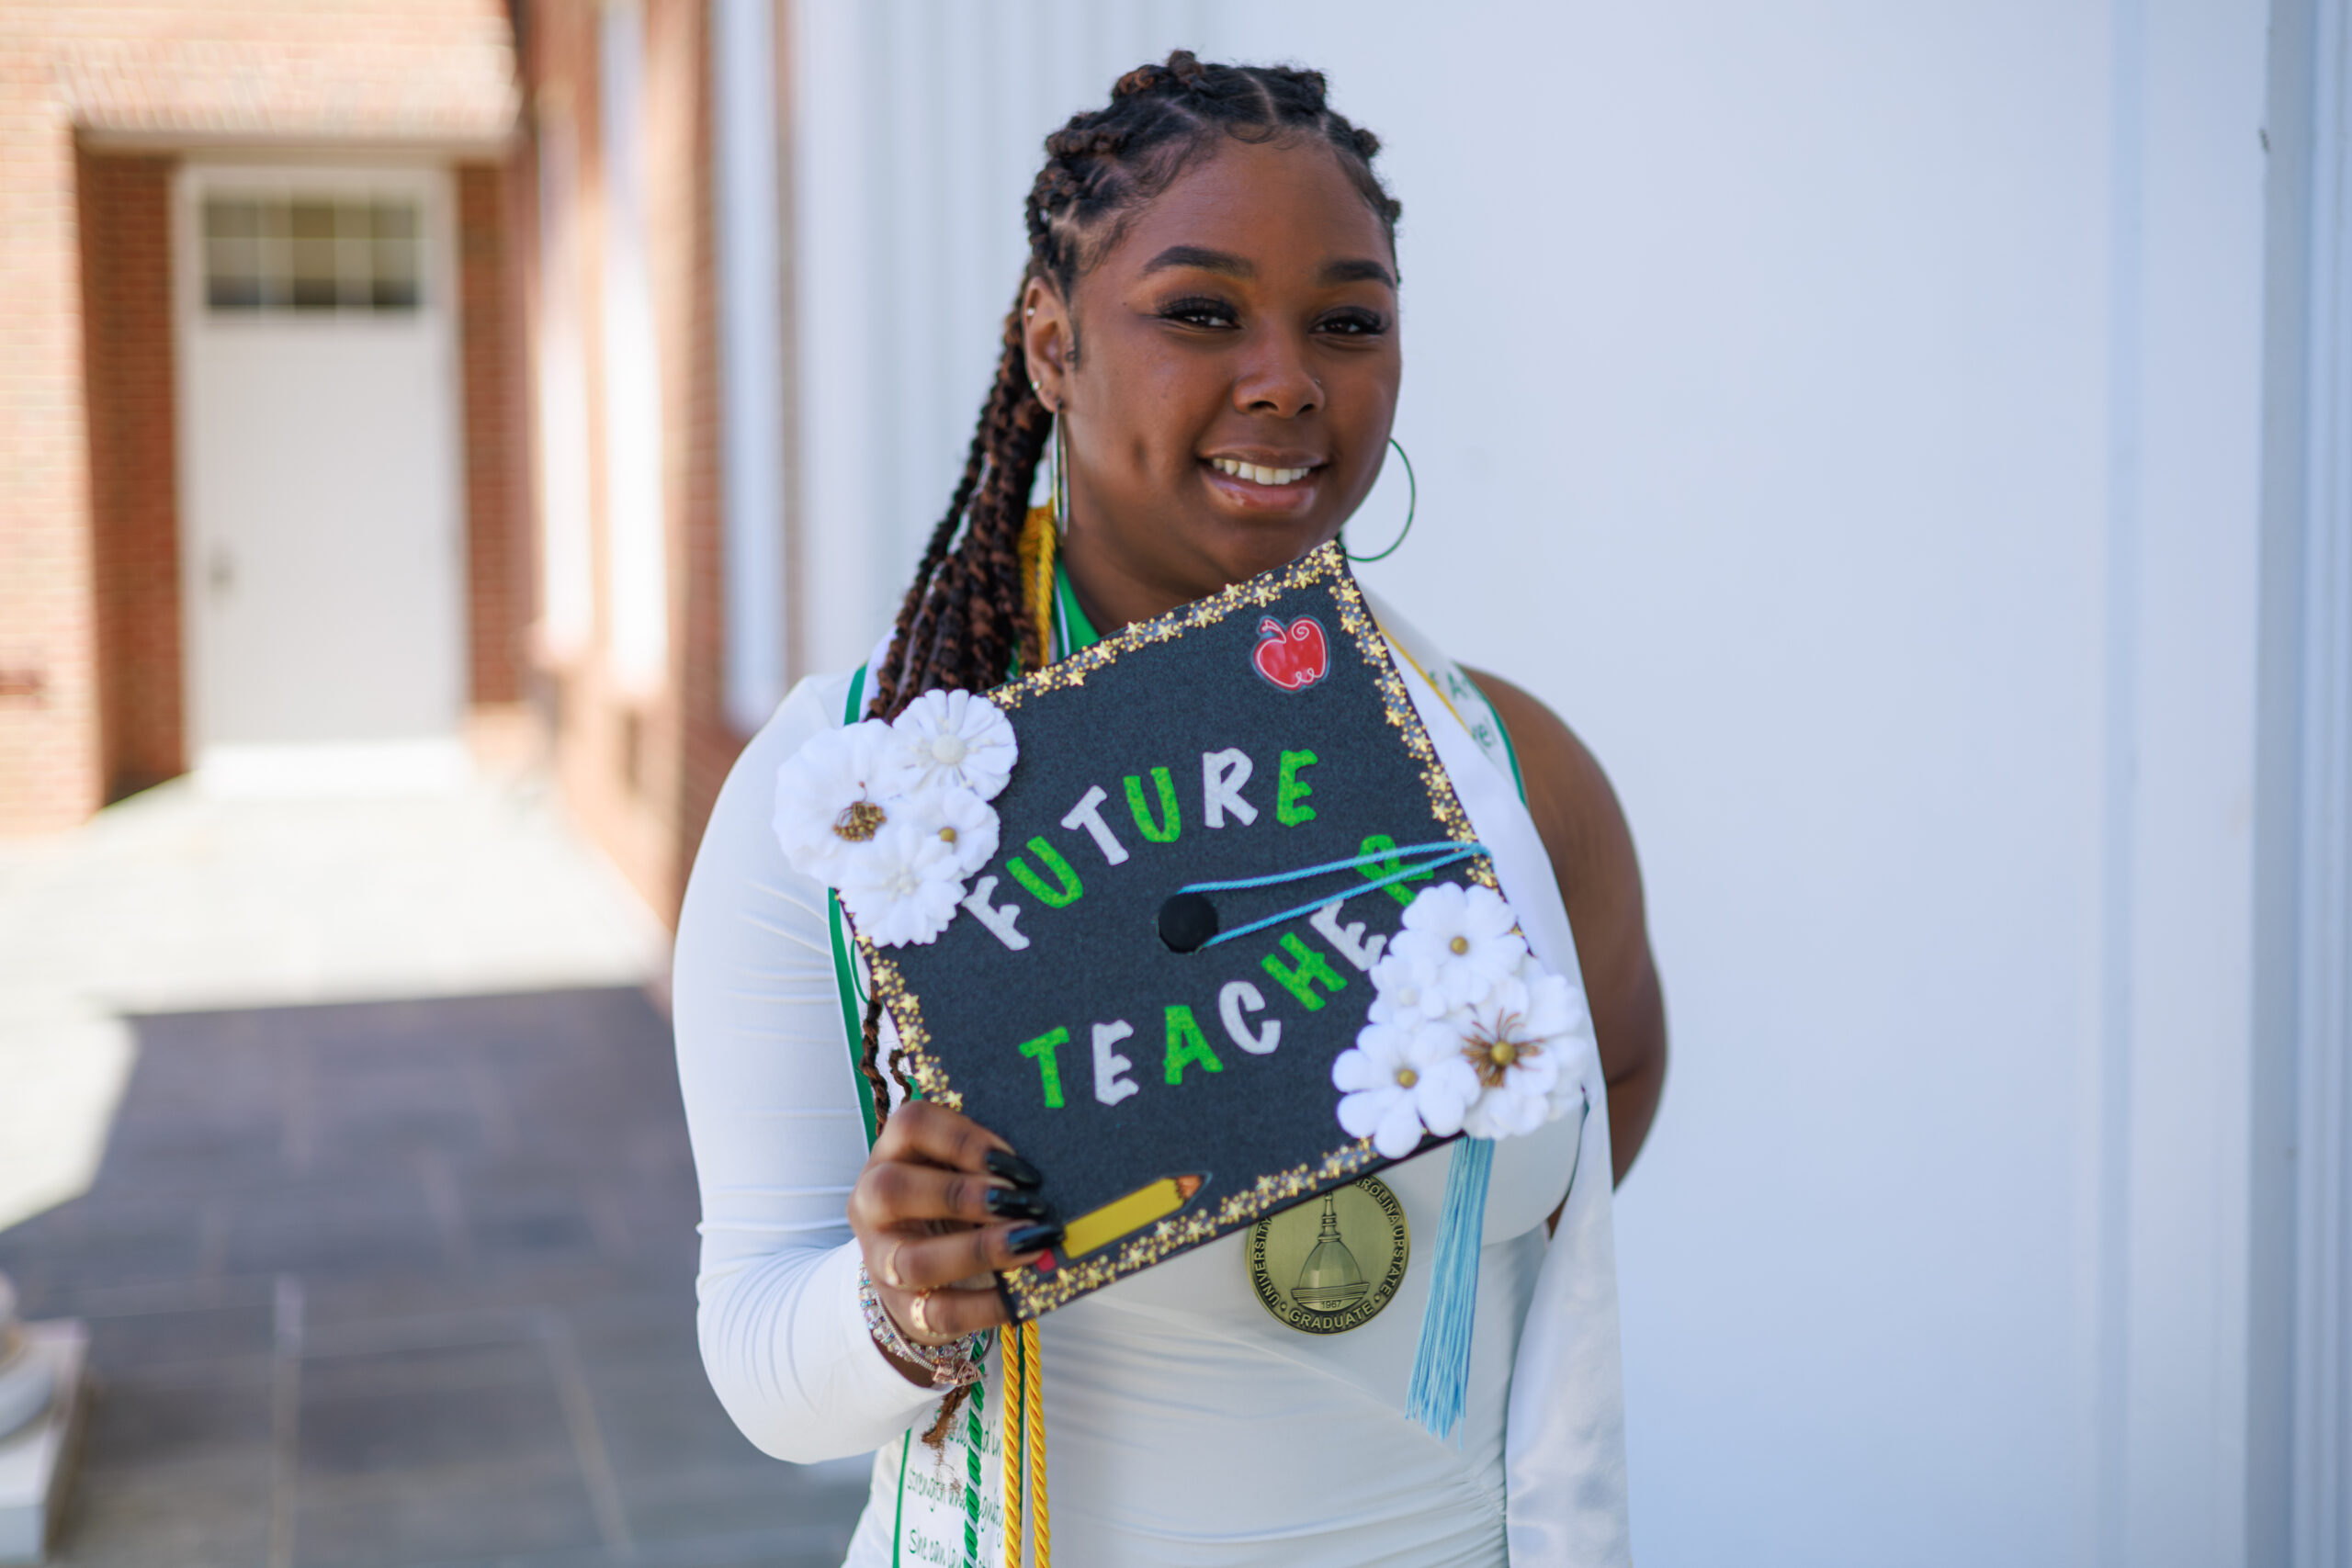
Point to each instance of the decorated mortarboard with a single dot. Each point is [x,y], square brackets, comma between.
[1194,919]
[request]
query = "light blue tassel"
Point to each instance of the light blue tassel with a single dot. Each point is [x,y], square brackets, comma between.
[1441,1364]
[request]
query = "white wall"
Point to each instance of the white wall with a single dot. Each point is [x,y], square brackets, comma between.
[745,151]
[637,589]
[917,127]
[1848,416]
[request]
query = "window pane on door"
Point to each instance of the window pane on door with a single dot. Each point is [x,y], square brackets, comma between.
[311,252]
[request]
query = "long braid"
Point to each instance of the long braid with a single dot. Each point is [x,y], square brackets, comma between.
[960,626]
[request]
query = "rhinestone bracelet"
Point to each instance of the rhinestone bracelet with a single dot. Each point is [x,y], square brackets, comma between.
[952,1365]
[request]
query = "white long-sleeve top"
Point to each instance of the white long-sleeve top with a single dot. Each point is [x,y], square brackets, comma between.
[1186,1425]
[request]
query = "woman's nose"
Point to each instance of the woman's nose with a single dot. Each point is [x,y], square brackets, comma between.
[1275,378]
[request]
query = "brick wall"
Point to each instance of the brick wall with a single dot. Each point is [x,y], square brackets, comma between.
[49,759]
[104,77]
[498,561]
[641,770]
[134,501]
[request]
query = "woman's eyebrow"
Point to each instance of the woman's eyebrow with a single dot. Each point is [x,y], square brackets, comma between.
[1357,272]
[1198,256]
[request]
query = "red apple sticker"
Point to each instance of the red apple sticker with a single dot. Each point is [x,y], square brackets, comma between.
[1293,657]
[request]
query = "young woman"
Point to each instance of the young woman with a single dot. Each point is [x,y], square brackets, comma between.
[1210,314]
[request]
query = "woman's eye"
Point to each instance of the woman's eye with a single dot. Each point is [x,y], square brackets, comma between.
[1199,313]
[1352,324]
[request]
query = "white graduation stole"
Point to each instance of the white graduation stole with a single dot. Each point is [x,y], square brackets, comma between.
[1460,695]
[949,1505]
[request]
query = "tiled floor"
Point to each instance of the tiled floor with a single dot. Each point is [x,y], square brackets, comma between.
[177,901]
[406,1283]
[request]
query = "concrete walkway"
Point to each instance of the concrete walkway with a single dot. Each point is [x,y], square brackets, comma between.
[389,1284]
[349,1130]
[173,901]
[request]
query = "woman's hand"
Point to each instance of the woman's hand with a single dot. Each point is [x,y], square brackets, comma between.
[942,1204]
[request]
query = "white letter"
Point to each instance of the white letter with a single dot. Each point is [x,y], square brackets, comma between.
[998,917]
[1348,940]
[1239,996]
[1088,814]
[1110,1087]
[1222,775]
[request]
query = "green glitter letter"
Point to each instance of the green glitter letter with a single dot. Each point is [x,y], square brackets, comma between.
[1186,1043]
[1165,830]
[1312,969]
[1381,843]
[1290,789]
[1060,899]
[1041,1051]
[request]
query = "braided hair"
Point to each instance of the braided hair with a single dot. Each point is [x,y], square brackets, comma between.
[963,624]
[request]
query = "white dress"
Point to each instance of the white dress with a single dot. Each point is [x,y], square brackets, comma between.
[1185,1424]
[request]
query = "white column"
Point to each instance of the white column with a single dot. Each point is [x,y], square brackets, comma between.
[638,593]
[751,357]
[2302,1409]
[916,131]
[566,572]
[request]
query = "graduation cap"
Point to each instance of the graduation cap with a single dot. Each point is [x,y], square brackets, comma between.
[1138,951]
[1216,822]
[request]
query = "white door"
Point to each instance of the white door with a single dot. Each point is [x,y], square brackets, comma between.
[323,553]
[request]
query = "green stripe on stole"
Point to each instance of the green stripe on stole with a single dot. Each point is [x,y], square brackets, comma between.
[853,995]
[973,1440]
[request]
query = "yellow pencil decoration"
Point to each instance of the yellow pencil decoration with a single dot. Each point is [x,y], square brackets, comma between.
[1119,1217]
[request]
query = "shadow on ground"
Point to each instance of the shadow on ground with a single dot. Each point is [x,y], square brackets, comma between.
[406,1283]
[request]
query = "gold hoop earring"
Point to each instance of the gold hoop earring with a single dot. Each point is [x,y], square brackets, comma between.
[1412,504]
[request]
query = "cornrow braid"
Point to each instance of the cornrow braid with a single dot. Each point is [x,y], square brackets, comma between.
[964,624]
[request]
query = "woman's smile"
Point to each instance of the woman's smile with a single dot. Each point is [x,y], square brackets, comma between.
[1266,487]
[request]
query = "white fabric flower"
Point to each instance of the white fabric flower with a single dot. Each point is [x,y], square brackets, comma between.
[951,741]
[1460,942]
[829,798]
[1513,1040]
[1398,996]
[903,886]
[956,818]
[1400,1079]
[1558,1015]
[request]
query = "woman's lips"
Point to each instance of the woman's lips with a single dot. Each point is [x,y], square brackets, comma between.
[1293,489]
[1269,474]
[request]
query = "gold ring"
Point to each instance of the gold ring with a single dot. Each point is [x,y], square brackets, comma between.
[920,1311]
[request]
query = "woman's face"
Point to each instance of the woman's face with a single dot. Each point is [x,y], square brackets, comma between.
[1236,370]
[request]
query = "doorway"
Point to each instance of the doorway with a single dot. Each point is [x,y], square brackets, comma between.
[325,561]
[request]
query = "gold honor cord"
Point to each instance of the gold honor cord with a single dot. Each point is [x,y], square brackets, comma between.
[1033,1399]
[1009,1414]
[1036,552]
[1022,1416]
[1023,1437]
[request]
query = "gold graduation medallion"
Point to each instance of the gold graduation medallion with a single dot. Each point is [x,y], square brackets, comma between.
[1331,1263]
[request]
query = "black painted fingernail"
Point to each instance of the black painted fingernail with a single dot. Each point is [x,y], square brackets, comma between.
[1013,1201]
[1032,1238]
[1013,1168]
